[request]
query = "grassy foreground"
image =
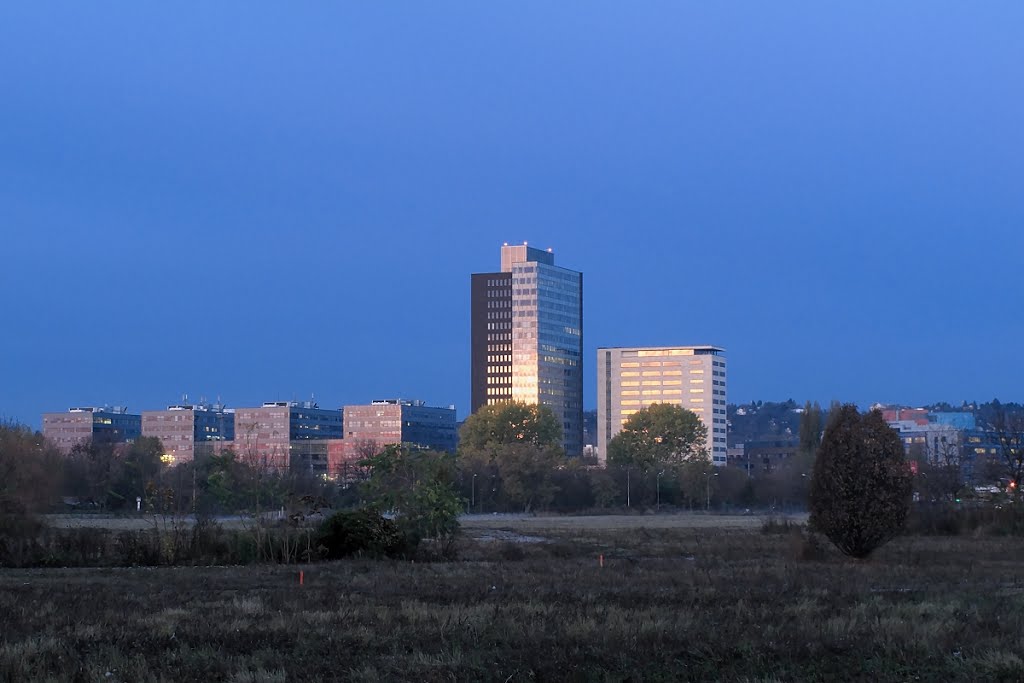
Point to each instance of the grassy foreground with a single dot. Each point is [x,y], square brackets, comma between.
[671,603]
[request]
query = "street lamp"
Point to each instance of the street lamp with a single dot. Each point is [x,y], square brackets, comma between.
[708,502]
[472,503]
[658,487]
[627,486]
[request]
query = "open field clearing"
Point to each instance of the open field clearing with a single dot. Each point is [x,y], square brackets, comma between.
[682,603]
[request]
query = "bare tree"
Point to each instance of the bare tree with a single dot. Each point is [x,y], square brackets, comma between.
[1006,432]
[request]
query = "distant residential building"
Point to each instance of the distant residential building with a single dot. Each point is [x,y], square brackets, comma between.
[393,421]
[632,378]
[264,435]
[104,424]
[527,338]
[327,458]
[962,421]
[900,414]
[761,456]
[187,430]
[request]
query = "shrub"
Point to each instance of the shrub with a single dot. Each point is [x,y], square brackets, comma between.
[360,532]
[778,525]
[861,486]
[954,520]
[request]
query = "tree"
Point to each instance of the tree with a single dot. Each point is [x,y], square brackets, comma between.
[29,471]
[137,471]
[527,474]
[659,435]
[498,424]
[1006,430]
[862,485]
[810,428]
[92,469]
[419,487]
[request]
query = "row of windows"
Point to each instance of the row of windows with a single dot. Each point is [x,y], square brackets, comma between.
[499,315]
[664,352]
[500,303]
[653,373]
[499,326]
[497,283]
[499,391]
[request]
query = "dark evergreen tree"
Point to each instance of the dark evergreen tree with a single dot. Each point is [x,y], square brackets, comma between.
[861,487]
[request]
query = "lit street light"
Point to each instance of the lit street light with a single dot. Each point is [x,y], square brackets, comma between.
[658,487]
[708,503]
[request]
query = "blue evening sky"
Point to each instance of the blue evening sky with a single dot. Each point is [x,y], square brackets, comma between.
[267,201]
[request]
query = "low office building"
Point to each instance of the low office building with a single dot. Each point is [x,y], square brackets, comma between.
[264,435]
[187,430]
[103,424]
[632,378]
[369,428]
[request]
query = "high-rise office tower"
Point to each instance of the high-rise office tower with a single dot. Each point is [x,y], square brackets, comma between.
[527,337]
[629,379]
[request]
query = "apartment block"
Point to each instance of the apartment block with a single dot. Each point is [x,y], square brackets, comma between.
[632,378]
[106,424]
[188,430]
[527,337]
[264,435]
[391,421]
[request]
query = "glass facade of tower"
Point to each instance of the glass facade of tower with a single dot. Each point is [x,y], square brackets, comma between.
[527,324]
[547,331]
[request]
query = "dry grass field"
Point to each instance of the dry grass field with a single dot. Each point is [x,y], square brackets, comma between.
[673,601]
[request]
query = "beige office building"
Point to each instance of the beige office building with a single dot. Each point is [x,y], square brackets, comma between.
[632,378]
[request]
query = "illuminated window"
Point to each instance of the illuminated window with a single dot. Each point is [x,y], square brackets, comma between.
[632,364]
[632,392]
[672,372]
[651,373]
[672,382]
[651,364]
[672,392]
[633,402]
[696,391]
[631,374]
[651,383]
[652,392]
[631,383]
[666,352]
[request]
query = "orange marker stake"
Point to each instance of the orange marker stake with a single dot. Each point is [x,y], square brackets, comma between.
[301,576]
[600,560]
